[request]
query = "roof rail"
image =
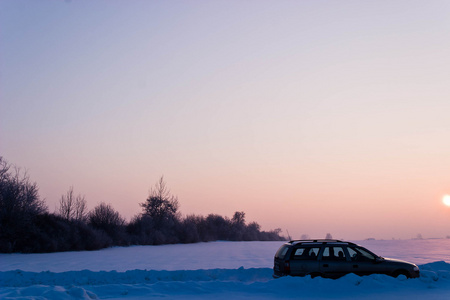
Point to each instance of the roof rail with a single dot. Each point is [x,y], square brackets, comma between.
[318,241]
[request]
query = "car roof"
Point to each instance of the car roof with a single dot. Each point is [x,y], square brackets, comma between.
[319,242]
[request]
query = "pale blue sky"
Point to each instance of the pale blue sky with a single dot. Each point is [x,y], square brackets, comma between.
[312,116]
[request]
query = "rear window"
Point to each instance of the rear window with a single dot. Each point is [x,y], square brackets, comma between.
[282,251]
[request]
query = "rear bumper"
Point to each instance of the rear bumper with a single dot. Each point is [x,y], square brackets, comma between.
[277,274]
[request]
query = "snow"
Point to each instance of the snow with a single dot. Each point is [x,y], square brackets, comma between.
[223,270]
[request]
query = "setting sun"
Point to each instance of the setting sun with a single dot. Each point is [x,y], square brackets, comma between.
[446,200]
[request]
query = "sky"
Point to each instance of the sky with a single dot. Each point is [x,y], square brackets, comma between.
[310,116]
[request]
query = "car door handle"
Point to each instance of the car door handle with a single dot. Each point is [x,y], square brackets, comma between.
[355,266]
[325,265]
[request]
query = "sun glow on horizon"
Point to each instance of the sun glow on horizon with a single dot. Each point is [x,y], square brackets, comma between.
[446,200]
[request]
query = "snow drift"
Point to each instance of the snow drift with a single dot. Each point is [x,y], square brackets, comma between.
[49,277]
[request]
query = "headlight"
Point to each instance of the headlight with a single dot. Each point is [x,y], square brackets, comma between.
[416,268]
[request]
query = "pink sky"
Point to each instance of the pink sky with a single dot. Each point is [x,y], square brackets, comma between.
[313,117]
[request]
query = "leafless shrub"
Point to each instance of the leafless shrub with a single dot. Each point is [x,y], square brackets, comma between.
[73,207]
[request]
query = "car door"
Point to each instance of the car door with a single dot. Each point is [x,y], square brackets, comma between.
[334,261]
[303,260]
[362,261]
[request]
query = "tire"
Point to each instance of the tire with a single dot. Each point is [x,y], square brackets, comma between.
[314,275]
[400,272]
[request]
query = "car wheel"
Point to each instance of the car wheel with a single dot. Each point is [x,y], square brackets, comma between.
[314,275]
[400,272]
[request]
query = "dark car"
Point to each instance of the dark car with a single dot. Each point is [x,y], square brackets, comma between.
[333,259]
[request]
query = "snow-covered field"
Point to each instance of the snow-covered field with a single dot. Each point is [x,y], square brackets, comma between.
[220,270]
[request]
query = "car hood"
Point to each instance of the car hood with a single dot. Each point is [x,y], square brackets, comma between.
[393,260]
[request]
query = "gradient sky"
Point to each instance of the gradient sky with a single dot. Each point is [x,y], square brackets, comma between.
[311,116]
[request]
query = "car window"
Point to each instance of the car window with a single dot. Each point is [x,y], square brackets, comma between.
[326,252]
[299,251]
[352,253]
[360,254]
[305,253]
[339,253]
[333,253]
[282,252]
[314,252]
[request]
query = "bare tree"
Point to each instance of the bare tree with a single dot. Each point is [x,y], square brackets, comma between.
[73,207]
[66,205]
[18,196]
[160,205]
[80,209]
[239,218]
[19,206]
[4,169]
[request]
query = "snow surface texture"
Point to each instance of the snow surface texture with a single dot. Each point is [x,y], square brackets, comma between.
[223,270]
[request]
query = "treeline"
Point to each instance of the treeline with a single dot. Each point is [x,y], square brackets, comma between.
[27,226]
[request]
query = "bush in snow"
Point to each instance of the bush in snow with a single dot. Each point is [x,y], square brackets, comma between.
[104,217]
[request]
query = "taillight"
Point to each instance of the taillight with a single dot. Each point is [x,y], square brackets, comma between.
[287,267]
